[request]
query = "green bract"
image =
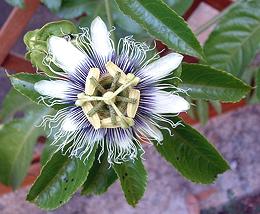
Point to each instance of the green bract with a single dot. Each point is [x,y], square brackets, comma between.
[36,42]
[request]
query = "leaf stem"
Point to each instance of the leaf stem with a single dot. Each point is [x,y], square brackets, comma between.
[109,18]
[214,20]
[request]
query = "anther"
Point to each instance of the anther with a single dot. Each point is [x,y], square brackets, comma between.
[114,69]
[89,86]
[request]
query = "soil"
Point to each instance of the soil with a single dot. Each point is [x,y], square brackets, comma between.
[246,205]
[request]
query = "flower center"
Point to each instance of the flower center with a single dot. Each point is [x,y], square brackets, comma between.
[110,101]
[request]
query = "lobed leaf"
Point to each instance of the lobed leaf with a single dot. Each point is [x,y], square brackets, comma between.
[234,42]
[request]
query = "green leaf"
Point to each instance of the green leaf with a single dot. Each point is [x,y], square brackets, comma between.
[16,3]
[191,154]
[101,176]
[205,82]
[133,179]
[24,83]
[233,43]
[203,111]
[60,178]
[179,6]
[14,102]
[258,84]
[53,5]
[18,138]
[163,23]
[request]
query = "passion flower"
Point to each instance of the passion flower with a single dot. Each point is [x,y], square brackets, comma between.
[114,97]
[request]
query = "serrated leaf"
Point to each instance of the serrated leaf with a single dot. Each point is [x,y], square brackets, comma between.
[233,43]
[191,154]
[14,102]
[162,23]
[133,179]
[24,83]
[18,138]
[205,82]
[101,177]
[60,178]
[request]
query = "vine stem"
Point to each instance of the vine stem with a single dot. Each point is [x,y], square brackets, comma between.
[109,18]
[214,20]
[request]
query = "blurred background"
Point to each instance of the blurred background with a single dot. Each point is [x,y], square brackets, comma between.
[234,130]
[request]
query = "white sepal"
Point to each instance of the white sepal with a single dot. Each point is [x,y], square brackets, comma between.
[52,88]
[161,67]
[100,37]
[166,102]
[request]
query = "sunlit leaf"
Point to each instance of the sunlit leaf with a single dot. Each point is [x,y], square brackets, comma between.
[162,23]
[205,82]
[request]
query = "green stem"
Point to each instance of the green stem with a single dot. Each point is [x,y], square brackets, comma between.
[214,20]
[109,18]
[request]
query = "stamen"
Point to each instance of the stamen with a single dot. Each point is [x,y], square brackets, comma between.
[97,85]
[112,114]
[126,100]
[96,108]
[92,104]
[115,81]
[132,107]
[90,87]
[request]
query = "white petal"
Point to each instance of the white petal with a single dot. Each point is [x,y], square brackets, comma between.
[100,37]
[162,67]
[66,55]
[166,102]
[69,125]
[55,89]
